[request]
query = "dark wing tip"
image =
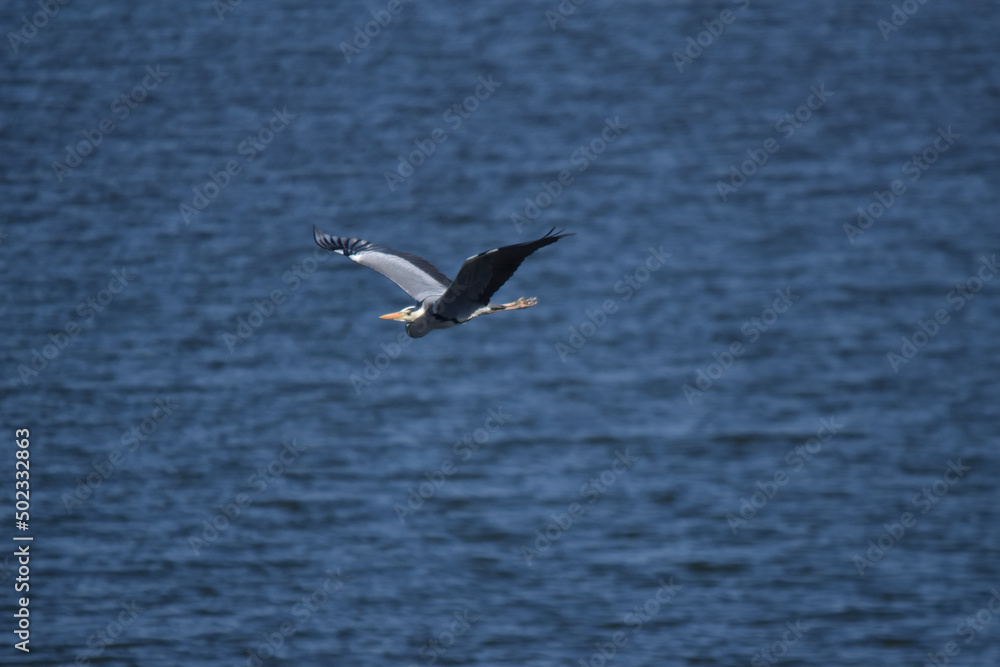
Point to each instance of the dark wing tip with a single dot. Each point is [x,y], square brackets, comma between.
[553,234]
[321,239]
[344,246]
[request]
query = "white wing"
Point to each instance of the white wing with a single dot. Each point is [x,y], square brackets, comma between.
[415,275]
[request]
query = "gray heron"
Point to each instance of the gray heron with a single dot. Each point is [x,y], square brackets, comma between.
[441,303]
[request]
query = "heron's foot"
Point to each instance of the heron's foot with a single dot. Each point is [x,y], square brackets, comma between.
[520,303]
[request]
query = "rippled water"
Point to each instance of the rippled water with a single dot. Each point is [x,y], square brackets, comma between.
[746,424]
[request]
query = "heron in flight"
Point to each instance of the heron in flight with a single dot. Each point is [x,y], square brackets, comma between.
[441,303]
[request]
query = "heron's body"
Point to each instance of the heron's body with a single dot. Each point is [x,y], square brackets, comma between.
[441,302]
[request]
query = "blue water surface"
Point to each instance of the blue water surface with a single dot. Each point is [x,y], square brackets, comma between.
[753,419]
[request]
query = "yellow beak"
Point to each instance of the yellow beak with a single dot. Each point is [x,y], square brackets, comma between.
[392,316]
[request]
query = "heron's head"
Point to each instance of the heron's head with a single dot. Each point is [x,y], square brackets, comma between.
[405,315]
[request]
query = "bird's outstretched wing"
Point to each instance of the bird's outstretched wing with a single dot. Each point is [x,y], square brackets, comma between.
[415,275]
[481,276]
